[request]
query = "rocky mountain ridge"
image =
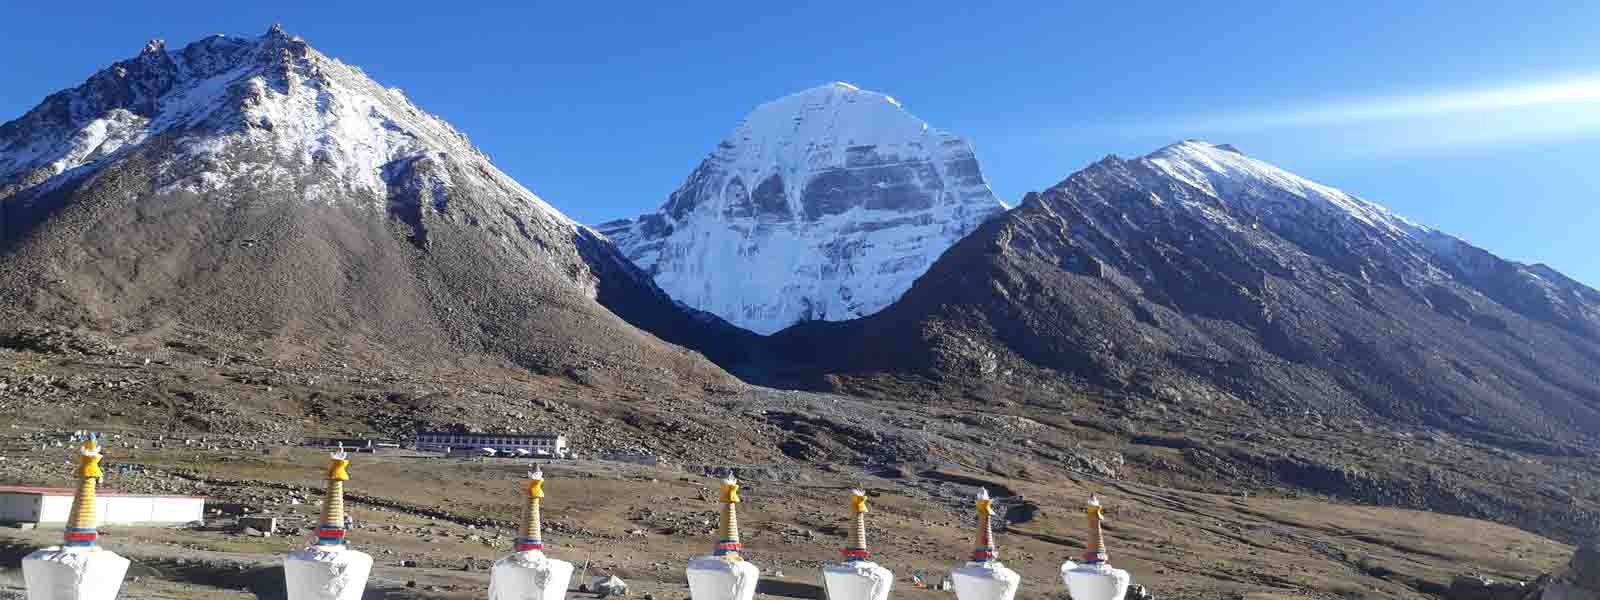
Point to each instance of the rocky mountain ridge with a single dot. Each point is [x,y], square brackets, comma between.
[258,186]
[1200,281]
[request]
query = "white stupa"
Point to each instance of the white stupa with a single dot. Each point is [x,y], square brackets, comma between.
[78,569]
[985,577]
[329,570]
[724,575]
[1094,578]
[857,578]
[528,574]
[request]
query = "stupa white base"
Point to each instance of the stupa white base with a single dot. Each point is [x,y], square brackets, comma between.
[711,578]
[326,573]
[1094,581]
[529,576]
[986,581]
[73,574]
[857,581]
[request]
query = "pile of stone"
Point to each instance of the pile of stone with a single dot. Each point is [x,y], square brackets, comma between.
[1579,581]
[58,340]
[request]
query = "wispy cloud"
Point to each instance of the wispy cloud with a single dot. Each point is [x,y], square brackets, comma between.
[1560,108]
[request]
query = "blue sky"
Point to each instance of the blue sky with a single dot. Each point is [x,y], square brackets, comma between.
[1479,118]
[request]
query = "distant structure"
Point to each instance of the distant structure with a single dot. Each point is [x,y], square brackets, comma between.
[857,578]
[27,504]
[985,577]
[527,574]
[329,570]
[535,445]
[348,444]
[724,575]
[78,569]
[1095,579]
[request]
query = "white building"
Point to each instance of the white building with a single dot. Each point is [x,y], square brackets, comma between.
[533,445]
[21,504]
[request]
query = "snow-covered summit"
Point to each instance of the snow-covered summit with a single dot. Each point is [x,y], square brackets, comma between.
[222,94]
[825,204]
[1224,170]
[820,122]
[1218,187]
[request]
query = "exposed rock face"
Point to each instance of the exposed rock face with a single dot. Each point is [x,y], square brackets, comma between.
[1479,587]
[258,186]
[822,205]
[1579,580]
[1200,277]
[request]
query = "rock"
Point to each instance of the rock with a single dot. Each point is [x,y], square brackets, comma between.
[1023,513]
[1472,586]
[608,585]
[1564,590]
[1139,592]
[1584,569]
[410,564]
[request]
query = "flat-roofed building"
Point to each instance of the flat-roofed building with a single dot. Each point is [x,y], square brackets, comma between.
[537,445]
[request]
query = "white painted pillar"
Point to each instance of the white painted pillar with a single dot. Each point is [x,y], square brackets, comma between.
[1094,579]
[528,574]
[985,577]
[857,578]
[724,575]
[329,570]
[79,569]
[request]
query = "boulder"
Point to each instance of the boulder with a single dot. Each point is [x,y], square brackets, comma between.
[1473,586]
[1584,570]
[608,585]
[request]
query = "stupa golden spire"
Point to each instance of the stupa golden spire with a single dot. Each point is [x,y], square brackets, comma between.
[330,532]
[985,550]
[1096,552]
[728,545]
[531,536]
[82,522]
[856,549]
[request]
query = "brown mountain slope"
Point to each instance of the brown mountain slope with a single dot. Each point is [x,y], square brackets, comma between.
[1196,309]
[247,198]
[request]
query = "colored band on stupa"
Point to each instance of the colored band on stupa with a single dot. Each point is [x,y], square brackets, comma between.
[531,536]
[330,531]
[81,530]
[985,551]
[728,545]
[856,549]
[1096,552]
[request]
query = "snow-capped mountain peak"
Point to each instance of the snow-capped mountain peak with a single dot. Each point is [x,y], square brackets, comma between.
[255,186]
[1222,170]
[823,204]
[221,93]
[1220,189]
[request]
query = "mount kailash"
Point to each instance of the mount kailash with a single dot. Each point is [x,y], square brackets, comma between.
[821,205]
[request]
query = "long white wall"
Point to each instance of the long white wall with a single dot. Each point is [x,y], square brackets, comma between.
[113,510]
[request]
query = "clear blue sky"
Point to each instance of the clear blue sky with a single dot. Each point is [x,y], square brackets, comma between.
[1479,118]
